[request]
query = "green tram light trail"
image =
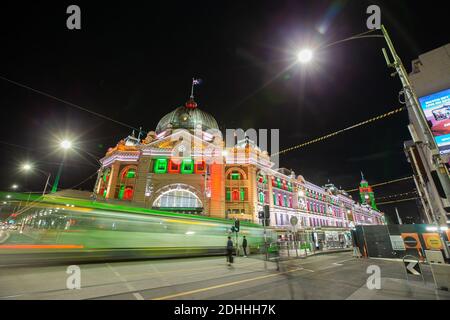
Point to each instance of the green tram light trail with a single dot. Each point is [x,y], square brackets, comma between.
[63,201]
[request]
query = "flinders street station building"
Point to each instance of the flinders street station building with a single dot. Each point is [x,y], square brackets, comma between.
[183,166]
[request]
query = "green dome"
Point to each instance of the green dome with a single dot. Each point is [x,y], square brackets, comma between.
[187,118]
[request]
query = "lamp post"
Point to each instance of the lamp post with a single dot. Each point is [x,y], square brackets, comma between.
[28,167]
[306,55]
[64,145]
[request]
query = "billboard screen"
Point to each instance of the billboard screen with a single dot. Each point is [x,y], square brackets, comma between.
[436,107]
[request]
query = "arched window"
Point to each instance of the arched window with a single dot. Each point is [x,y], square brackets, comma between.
[127,180]
[178,198]
[104,180]
[261,197]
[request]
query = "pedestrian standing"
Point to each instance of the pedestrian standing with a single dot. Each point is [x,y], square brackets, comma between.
[244,246]
[229,251]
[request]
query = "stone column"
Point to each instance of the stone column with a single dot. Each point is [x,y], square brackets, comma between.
[115,170]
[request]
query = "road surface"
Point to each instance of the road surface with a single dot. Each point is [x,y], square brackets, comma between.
[330,276]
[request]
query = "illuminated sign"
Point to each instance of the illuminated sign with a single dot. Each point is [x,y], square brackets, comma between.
[432,241]
[411,240]
[436,108]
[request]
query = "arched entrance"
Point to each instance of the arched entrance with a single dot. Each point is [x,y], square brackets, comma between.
[178,198]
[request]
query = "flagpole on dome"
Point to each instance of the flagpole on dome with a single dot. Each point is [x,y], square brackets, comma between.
[191,103]
[192,88]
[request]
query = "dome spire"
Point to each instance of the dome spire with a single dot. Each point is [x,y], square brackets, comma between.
[191,104]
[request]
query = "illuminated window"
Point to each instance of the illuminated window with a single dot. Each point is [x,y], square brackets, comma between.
[187,166]
[174,166]
[274,198]
[106,175]
[178,198]
[128,193]
[160,166]
[228,195]
[200,167]
[235,176]
[242,194]
[261,197]
[235,195]
[125,192]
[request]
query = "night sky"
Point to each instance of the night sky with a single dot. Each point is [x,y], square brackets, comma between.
[133,61]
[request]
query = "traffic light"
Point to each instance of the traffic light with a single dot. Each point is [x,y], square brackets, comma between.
[236,225]
[266,211]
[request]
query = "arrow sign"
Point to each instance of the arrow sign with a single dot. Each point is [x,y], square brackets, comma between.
[412,267]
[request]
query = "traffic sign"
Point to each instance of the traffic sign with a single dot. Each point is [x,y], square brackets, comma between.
[397,243]
[412,267]
[294,221]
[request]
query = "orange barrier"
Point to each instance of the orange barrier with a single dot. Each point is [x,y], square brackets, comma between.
[41,246]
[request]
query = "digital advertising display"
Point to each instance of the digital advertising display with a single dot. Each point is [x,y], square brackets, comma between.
[436,107]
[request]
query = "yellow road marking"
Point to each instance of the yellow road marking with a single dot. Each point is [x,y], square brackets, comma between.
[223,285]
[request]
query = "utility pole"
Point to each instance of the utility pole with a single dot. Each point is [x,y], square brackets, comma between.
[414,104]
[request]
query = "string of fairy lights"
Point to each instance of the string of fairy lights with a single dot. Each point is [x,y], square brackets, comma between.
[397,201]
[383,183]
[320,139]
[397,195]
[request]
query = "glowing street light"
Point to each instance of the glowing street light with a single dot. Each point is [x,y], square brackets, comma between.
[27,167]
[305,56]
[66,144]
[14,186]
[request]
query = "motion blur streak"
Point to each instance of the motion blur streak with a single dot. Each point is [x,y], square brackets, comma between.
[40,246]
[61,230]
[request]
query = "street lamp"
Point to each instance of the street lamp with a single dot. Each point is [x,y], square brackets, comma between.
[27,167]
[14,186]
[66,144]
[305,55]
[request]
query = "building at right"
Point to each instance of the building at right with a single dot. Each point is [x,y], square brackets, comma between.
[429,150]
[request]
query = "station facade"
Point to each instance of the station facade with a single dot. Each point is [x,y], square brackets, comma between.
[184,166]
